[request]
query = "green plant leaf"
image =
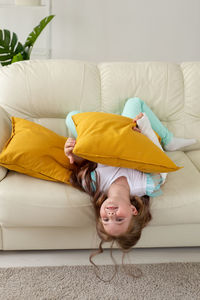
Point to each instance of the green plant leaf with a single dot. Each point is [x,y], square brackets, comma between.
[9,47]
[17,57]
[11,50]
[35,33]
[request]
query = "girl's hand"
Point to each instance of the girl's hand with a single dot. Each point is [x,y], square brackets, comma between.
[138,117]
[68,148]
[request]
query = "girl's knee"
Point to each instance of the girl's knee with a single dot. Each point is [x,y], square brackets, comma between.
[134,100]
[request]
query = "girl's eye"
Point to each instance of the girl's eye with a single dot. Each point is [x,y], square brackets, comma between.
[105,219]
[120,219]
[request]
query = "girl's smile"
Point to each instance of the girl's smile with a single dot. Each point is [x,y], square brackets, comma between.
[116,214]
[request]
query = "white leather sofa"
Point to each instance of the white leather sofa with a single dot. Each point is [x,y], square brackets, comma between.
[39,214]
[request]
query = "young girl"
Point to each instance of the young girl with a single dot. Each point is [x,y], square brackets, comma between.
[121,195]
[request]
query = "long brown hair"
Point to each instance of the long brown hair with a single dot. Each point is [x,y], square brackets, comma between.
[81,171]
[125,241]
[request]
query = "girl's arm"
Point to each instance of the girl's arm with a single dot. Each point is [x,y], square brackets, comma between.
[68,148]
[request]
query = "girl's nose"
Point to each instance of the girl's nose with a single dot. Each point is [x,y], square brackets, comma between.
[111,213]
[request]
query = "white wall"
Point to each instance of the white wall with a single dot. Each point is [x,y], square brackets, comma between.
[103,30]
[125,30]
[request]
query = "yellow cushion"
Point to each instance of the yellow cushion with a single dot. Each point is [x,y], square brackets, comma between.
[109,139]
[36,151]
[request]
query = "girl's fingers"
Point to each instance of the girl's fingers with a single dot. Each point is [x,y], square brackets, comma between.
[71,159]
[69,150]
[68,153]
[138,117]
[69,144]
[71,140]
[136,129]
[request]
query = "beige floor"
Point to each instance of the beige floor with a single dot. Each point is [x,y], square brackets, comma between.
[80,257]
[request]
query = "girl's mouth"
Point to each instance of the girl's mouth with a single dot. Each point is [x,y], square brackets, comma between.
[111,207]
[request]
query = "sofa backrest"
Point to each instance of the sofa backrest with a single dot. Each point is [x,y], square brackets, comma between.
[160,85]
[45,91]
[191,75]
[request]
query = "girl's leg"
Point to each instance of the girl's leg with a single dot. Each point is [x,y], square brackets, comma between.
[70,123]
[134,106]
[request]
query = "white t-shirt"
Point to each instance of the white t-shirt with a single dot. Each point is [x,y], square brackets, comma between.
[136,179]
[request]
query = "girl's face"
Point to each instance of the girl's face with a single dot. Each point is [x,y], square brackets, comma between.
[116,215]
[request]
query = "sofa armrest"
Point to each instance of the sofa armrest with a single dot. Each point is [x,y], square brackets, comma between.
[5,132]
[3,172]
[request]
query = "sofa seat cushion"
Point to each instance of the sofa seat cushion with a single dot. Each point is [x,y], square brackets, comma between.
[194,156]
[32,202]
[180,201]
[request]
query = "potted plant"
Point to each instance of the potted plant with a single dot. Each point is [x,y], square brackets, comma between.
[11,50]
